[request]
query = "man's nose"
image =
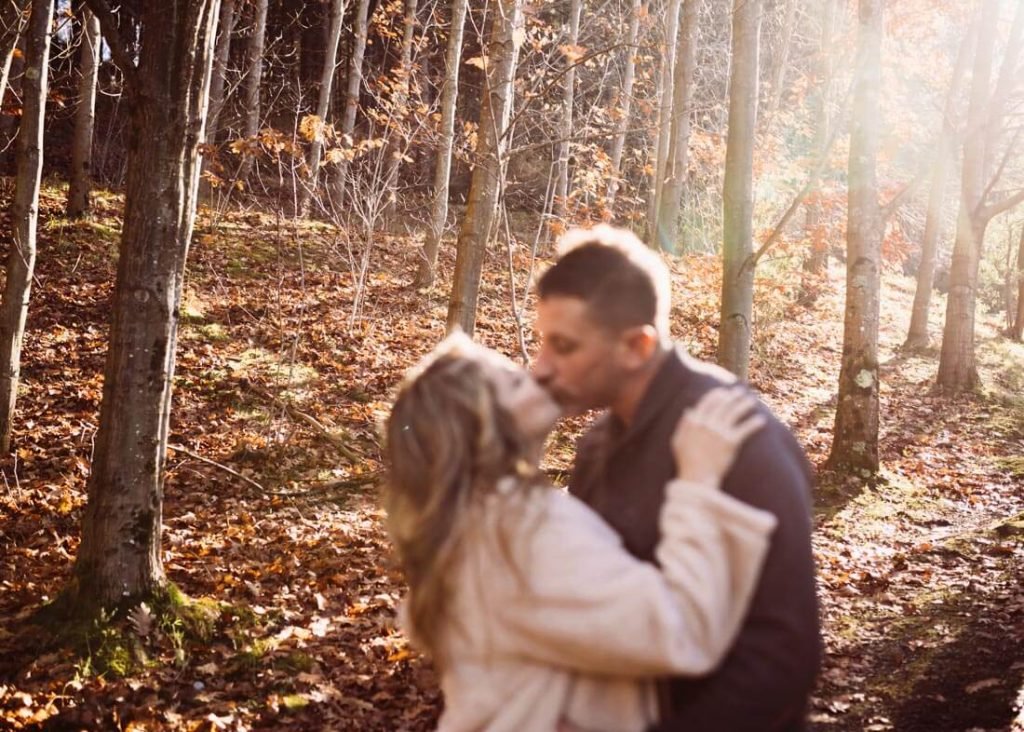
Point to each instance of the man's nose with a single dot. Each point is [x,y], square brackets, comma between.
[541,368]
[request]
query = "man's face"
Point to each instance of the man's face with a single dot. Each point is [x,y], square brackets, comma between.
[580,363]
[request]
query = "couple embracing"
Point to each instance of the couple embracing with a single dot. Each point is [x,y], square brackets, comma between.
[671,588]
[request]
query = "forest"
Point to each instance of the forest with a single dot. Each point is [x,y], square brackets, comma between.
[231,226]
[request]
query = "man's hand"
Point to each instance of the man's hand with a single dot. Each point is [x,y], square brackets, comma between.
[710,434]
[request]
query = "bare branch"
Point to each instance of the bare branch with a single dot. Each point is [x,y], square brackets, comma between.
[118,48]
[989,212]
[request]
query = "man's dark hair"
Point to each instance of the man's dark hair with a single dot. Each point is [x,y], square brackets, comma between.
[623,283]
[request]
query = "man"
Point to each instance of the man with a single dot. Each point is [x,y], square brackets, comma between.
[603,321]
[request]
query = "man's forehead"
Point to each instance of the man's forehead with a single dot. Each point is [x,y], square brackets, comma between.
[563,312]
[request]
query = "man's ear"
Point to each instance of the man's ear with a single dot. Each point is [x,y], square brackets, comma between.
[641,343]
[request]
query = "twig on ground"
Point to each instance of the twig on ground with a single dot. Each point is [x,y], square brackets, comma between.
[214,463]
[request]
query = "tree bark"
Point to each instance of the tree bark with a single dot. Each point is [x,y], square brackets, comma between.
[502,54]
[119,561]
[565,123]
[355,84]
[253,80]
[21,258]
[626,105]
[85,117]
[855,439]
[957,368]
[398,137]
[666,88]
[782,62]
[738,191]
[323,102]
[917,333]
[1017,329]
[443,162]
[679,143]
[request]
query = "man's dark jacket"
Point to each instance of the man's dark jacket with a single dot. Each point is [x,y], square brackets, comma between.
[764,681]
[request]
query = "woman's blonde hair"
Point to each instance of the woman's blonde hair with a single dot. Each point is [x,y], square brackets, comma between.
[448,444]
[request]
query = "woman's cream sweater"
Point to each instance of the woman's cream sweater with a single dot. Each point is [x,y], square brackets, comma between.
[553,622]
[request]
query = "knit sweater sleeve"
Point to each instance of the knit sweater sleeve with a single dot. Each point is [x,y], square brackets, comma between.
[587,605]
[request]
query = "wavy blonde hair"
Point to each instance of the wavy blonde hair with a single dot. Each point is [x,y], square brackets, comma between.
[448,443]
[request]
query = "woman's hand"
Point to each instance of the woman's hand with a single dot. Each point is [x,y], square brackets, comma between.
[710,434]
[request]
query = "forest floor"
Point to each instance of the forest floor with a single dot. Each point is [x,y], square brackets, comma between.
[293,337]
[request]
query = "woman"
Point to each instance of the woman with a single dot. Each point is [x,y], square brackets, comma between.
[534,614]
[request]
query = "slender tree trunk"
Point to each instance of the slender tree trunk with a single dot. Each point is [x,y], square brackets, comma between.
[816,262]
[855,440]
[119,560]
[626,104]
[323,102]
[957,368]
[21,258]
[253,80]
[782,62]
[917,334]
[355,84]
[502,54]
[12,21]
[679,144]
[666,87]
[738,191]
[443,162]
[225,29]
[565,123]
[399,107]
[85,117]
[1017,329]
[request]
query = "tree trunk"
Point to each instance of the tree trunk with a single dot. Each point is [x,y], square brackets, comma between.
[355,84]
[565,123]
[626,106]
[855,440]
[398,132]
[917,334]
[323,102]
[957,368]
[225,29]
[12,21]
[85,117]
[443,162]
[738,191]
[119,561]
[679,144]
[21,258]
[779,75]
[666,88]
[253,80]
[1017,329]
[502,53]
[816,262]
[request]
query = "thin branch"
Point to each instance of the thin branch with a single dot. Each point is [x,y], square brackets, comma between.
[989,212]
[903,194]
[1002,166]
[214,463]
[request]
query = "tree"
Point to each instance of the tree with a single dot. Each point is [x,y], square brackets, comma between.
[21,258]
[355,85]
[398,141]
[957,368]
[85,117]
[323,103]
[225,29]
[119,561]
[1017,329]
[506,35]
[253,79]
[663,130]
[570,53]
[443,160]
[855,440]
[679,136]
[917,333]
[738,191]
[626,102]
